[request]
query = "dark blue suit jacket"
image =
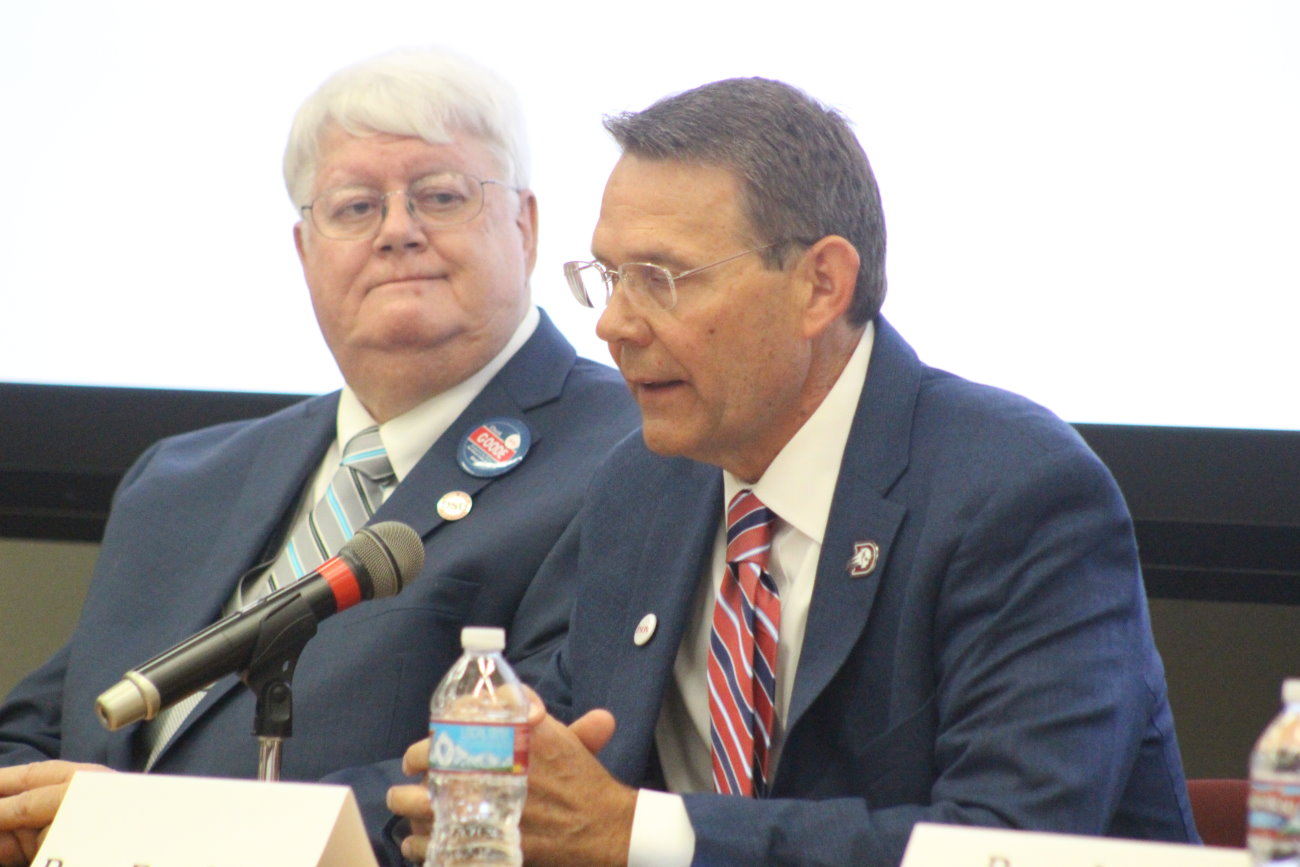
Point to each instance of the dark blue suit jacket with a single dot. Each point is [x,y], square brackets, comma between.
[996,668]
[198,510]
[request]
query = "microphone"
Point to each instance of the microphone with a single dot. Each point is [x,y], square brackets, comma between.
[373,564]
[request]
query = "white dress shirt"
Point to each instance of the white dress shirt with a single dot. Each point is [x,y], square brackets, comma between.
[798,487]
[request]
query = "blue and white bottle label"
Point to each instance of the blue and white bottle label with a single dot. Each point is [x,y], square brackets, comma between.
[1274,821]
[496,748]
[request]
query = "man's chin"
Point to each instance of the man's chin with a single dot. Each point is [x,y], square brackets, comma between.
[661,438]
[396,347]
[403,327]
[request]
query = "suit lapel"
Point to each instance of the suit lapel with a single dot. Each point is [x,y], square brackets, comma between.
[269,483]
[415,501]
[675,554]
[861,515]
[534,376]
[287,454]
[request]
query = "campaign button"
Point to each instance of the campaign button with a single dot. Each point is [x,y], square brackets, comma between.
[494,447]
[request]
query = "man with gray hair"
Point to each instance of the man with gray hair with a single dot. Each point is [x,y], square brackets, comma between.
[831,592]
[465,415]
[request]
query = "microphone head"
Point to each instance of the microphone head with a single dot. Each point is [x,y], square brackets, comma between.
[391,554]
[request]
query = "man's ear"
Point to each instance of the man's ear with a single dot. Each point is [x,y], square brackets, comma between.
[298,242]
[527,223]
[830,268]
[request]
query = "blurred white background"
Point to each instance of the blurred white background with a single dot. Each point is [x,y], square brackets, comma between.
[1096,204]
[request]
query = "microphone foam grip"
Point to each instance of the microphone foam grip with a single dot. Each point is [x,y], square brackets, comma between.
[391,553]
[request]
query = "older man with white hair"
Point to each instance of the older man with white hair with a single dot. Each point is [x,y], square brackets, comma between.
[465,415]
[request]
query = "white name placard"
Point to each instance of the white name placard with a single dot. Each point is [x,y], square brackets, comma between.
[962,846]
[150,820]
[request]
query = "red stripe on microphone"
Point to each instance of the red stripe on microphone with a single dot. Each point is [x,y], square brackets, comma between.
[346,587]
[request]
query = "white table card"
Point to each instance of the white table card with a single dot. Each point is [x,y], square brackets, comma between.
[961,846]
[151,820]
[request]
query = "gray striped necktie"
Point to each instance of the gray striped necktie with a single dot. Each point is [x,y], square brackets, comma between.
[354,494]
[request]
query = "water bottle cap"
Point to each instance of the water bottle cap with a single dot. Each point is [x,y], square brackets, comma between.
[492,639]
[1291,690]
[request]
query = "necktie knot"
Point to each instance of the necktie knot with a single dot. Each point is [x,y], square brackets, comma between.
[354,494]
[749,530]
[365,454]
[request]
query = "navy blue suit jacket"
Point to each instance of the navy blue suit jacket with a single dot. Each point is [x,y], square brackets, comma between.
[995,668]
[198,510]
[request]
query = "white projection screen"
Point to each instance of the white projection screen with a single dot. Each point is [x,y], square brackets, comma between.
[1095,204]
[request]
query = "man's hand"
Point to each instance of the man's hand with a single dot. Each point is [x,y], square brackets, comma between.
[576,813]
[411,802]
[29,797]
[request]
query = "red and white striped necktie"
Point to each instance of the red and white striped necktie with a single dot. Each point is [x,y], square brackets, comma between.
[742,653]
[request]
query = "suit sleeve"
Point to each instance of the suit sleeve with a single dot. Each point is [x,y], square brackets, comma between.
[31,716]
[558,568]
[370,784]
[542,619]
[1045,682]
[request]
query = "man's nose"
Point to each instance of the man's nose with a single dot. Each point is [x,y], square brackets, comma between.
[398,226]
[622,322]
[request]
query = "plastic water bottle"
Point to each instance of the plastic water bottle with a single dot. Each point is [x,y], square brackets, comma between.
[1273,836]
[478,757]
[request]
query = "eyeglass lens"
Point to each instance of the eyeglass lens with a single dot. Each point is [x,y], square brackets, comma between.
[441,199]
[644,283]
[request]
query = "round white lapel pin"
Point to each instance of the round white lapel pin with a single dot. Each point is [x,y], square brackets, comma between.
[454,505]
[645,630]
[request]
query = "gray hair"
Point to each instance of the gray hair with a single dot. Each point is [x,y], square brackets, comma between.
[803,173]
[428,93]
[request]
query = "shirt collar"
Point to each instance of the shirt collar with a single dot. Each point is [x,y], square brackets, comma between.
[799,484]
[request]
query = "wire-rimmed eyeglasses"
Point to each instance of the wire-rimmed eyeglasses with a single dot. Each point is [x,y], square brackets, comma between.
[435,201]
[645,283]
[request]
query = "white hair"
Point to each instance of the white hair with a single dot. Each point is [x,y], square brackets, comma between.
[429,93]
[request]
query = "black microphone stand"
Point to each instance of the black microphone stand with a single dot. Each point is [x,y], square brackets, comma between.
[284,633]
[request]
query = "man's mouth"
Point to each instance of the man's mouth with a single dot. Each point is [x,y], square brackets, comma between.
[404,279]
[655,386]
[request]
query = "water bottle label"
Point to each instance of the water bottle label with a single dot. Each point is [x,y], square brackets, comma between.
[1274,818]
[499,748]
